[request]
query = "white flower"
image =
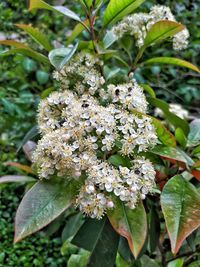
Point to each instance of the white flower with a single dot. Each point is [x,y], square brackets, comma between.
[140,23]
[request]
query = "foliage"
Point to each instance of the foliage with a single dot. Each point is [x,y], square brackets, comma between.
[138,236]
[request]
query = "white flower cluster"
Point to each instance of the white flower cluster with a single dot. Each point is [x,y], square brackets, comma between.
[88,78]
[79,134]
[139,24]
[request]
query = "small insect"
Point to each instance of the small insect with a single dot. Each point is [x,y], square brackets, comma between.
[137,171]
[85,105]
[60,122]
[117,92]
[130,89]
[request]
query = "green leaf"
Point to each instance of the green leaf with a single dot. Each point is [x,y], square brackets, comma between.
[159,31]
[148,89]
[154,229]
[176,263]
[76,31]
[60,56]
[162,30]
[116,10]
[171,61]
[180,137]
[96,236]
[194,134]
[87,241]
[16,179]
[148,262]
[37,35]
[42,77]
[13,43]
[163,134]
[72,226]
[130,223]
[78,260]
[173,153]
[109,39]
[89,3]
[44,202]
[171,117]
[117,160]
[22,49]
[105,249]
[180,203]
[39,4]
[27,52]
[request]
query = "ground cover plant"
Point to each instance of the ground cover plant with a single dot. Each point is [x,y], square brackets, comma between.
[100,152]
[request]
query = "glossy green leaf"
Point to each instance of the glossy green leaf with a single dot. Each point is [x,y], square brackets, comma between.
[163,134]
[89,3]
[72,226]
[117,160]
[60,56]
[39,4]
[154,229]
[27,52]
[173,153]
[78,29]
[13,43]
[45,201]
[130,223]
[78,260]
[109,39]
[37,35]
[176,263]
[171,117]
[161,30]
[87,241]
[180,203]
[180,137]
[148,262]
[116,10]
[148,89]
[194,134]
[16,179]
[171,61]
[105,250]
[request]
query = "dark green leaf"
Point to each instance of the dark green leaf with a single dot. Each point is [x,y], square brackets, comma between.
[72,226]
[87,235]
[45,201]
[117,160]
[105,250]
